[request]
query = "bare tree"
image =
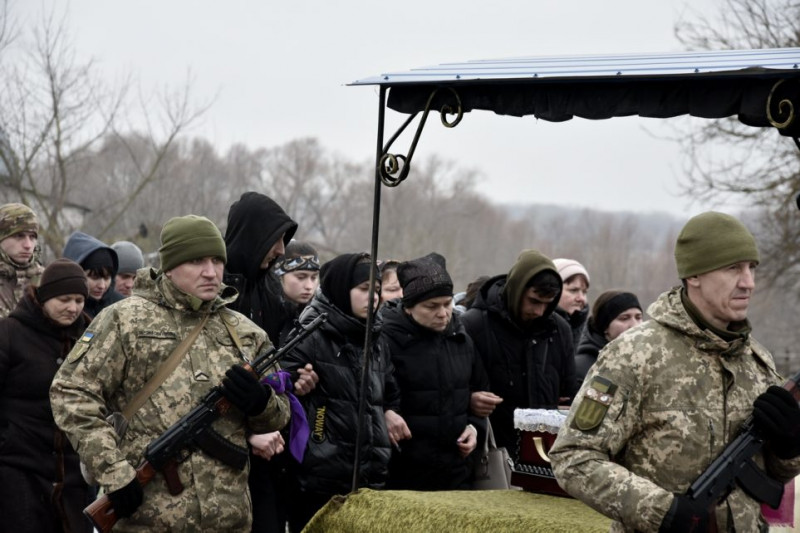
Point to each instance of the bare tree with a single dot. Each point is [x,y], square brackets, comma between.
[7,25]
[57,113]
[763,171]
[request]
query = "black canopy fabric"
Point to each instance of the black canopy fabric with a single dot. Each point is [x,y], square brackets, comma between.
[739,83]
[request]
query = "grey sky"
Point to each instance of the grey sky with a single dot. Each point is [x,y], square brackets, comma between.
[278,71]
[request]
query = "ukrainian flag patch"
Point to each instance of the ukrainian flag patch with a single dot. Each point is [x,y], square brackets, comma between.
[80,347]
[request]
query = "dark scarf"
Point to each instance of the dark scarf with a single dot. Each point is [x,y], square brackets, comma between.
[340,275]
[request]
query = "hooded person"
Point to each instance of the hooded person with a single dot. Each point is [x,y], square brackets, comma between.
[525,347]
[42,488]
[20,264]
[336,350]
[666,398]
[437,371]
[258,230]
[572,304]
[100,262]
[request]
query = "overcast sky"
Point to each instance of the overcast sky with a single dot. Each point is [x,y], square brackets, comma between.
[278,71]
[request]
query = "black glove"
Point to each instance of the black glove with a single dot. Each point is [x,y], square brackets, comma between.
[777,415]
[242,388]
[126,500]
[685,516]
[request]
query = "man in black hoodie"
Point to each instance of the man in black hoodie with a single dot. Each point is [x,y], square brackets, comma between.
[526,348]
[258,229]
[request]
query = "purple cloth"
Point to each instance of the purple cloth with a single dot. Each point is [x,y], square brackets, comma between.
[281,383]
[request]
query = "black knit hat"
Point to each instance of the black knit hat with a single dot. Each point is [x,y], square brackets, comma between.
[62,276]
[423,279]
[609,309]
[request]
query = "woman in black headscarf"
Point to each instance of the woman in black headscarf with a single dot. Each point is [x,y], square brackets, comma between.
[336,350]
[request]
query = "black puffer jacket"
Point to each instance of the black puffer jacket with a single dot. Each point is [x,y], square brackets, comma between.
[591,344]
[255,223]
[436,373]
[336,351]
[32,348]
[528,368]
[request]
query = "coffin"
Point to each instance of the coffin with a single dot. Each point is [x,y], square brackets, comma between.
[536,432]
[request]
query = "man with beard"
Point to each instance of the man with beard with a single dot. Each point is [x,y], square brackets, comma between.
[258,230]
[257,233]
[19,261]
[525,347]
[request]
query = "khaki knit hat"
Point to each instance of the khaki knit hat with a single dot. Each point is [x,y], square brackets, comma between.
[15,218]
[713,240]
[189,237]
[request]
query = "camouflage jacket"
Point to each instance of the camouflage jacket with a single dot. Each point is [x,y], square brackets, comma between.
[680,395]
[122,348]
[14,279]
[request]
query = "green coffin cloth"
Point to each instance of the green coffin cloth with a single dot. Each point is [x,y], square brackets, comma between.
[373,511]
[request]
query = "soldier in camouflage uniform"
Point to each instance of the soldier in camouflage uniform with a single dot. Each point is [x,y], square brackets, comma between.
[666,397]
[19,254]
[121,350]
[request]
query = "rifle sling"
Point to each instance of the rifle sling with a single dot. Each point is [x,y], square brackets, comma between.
[218,447]
[226,315]
[163,371]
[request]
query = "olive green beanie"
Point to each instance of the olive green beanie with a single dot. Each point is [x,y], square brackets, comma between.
[189,237]
[713,240]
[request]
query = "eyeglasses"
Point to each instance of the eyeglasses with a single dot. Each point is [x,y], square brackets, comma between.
[303,262]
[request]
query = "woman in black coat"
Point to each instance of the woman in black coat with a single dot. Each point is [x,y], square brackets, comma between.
[437,370]
[41,487]
[336,351]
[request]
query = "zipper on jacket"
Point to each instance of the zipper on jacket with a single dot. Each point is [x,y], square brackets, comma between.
[711,454]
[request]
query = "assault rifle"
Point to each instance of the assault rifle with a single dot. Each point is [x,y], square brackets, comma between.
[193,431]
[735,465]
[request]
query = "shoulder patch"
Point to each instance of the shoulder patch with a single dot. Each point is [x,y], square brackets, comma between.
[594,404]
[80,347]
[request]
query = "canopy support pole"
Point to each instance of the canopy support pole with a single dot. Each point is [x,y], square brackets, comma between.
[366,363]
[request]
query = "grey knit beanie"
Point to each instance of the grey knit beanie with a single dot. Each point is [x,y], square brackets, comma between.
[130,257]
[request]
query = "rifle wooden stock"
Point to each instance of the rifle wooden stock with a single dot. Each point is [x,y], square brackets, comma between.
[101,512]
[161,453]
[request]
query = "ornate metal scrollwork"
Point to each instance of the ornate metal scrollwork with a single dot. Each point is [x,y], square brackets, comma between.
[394,168]
[783,107]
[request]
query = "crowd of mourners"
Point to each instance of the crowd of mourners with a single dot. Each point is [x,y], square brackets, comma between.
[81,337]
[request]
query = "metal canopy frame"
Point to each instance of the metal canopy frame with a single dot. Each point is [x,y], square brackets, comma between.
[760,87]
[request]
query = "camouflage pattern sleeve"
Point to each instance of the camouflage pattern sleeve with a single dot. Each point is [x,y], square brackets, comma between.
[603,418]
[92,372]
